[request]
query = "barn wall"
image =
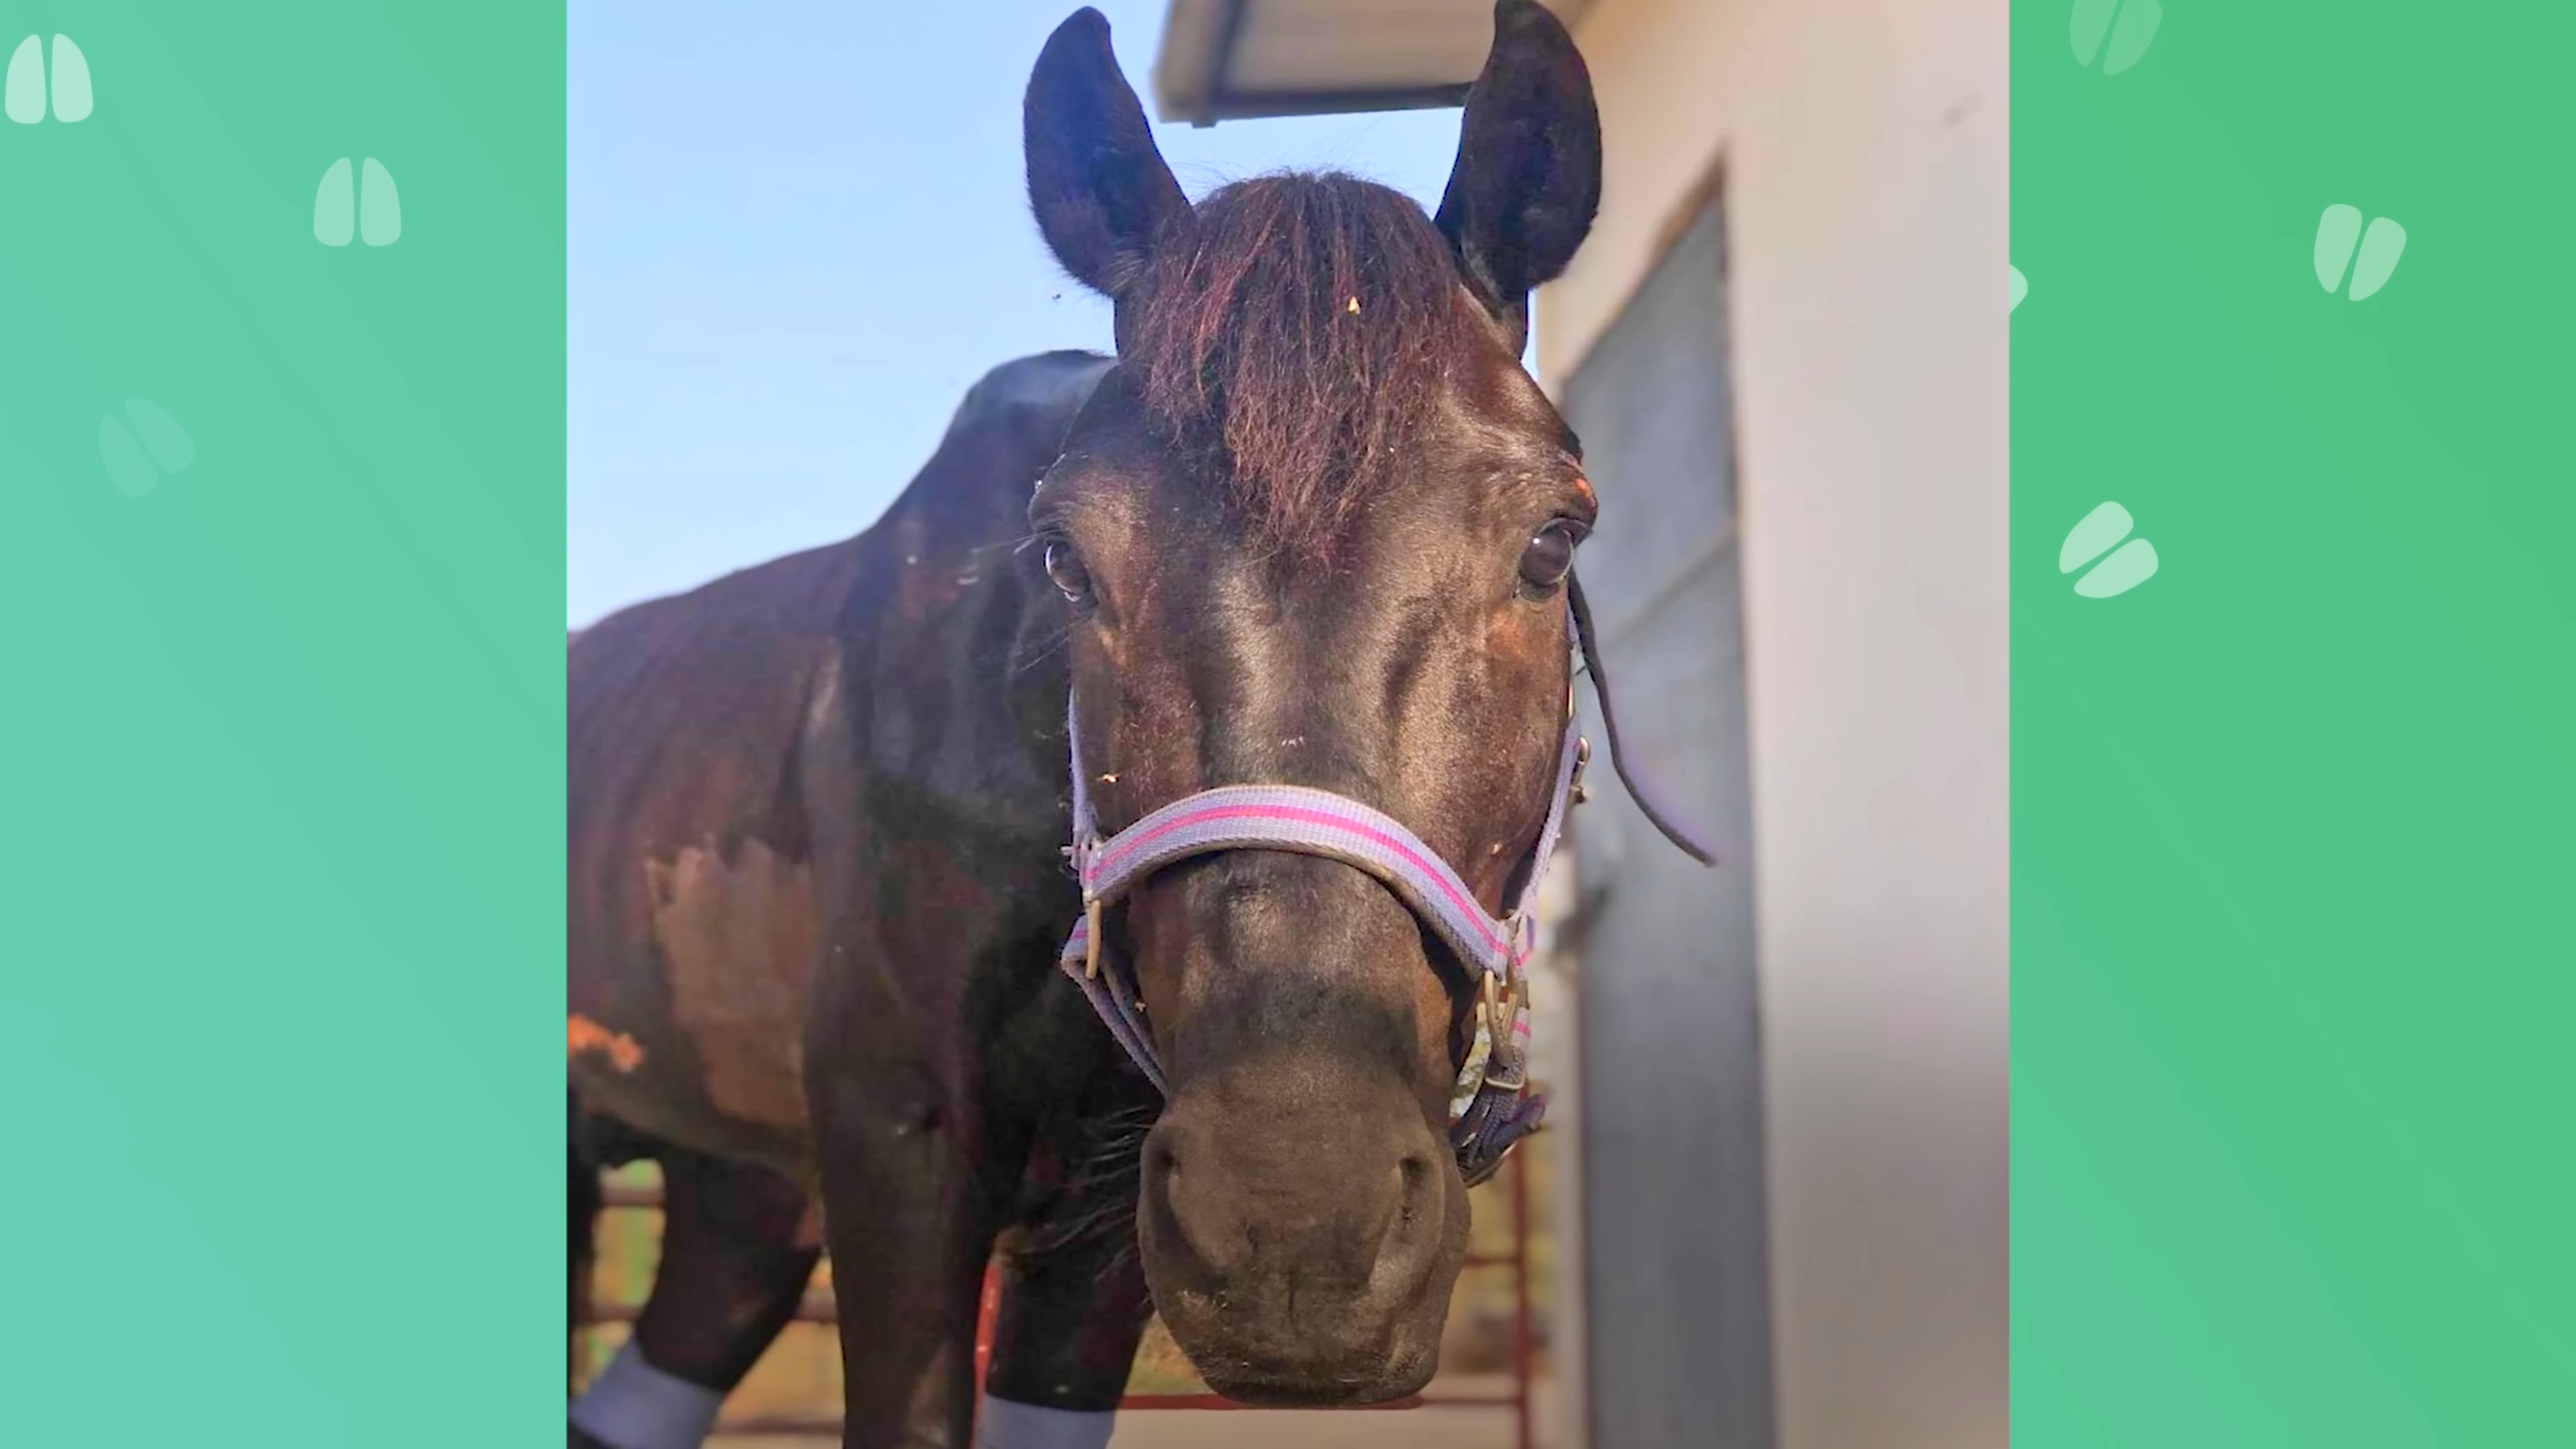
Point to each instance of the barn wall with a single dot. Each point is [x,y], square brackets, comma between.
[1862,146]
[1676,1263]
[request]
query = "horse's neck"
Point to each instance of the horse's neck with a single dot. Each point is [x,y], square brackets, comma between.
[966,674]
[963,686]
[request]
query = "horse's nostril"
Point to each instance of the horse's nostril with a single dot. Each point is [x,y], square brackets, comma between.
[1415,1180]
[1162,1164]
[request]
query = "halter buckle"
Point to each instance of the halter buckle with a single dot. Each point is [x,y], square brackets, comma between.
[1091,937]
[1506,1064]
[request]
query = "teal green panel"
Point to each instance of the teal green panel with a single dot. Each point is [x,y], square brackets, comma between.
[281,553]
[2293,975]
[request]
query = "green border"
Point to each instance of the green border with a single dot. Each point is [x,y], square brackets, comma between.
[2293,997]
[282,775]
[282,785]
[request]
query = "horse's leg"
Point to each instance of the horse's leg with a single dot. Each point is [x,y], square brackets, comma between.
[1074,1303]
[1074,1306]
[583,1200]
[596,1144]
[913,1199]
[738,1247]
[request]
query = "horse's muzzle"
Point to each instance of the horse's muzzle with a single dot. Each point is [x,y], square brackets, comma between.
[1297,1256]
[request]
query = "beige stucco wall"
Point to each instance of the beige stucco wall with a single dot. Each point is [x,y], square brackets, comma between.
[1864,156]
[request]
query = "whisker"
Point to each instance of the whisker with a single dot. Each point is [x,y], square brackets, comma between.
[1100,1187]
[1044,652]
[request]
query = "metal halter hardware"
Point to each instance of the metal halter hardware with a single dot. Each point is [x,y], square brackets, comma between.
[1491,1106]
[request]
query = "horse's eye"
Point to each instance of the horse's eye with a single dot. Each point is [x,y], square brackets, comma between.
[1549,557]
[1064,570]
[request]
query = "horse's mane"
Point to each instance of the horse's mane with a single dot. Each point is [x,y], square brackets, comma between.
[1298,344]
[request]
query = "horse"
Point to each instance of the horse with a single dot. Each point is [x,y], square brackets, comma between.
[1307,530]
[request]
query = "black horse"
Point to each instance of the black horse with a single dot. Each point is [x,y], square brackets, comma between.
[1312,525]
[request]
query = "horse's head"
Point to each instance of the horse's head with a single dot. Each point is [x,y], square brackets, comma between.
[1314,529]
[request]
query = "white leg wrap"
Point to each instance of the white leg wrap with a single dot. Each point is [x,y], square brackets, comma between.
[1002,1424]
[634,1405]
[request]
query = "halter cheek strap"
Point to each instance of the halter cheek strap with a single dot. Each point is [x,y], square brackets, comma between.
[1491,1106]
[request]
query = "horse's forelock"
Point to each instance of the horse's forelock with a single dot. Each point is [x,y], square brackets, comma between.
[1298,345]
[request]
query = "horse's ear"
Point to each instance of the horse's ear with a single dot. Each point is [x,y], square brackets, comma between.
[1101,192]
[1528,178]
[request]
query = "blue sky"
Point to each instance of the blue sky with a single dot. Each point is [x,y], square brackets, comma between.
[798,233]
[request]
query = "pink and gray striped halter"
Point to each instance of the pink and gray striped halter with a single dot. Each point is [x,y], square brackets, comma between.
[1491,1107]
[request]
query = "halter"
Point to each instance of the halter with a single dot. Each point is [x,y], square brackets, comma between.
[1491,1106]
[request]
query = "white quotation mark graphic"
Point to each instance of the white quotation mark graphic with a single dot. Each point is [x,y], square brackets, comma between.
[2380,247]
[24,97]
[2131,564]
[2129,25]
[371,209]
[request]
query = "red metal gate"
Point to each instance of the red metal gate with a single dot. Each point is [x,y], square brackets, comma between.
[818,1307]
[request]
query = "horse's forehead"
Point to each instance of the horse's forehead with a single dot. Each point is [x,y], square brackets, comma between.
[1490,420]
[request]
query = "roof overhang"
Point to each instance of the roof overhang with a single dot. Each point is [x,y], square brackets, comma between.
[1224,60]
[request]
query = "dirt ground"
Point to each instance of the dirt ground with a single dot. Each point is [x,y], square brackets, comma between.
[1424,1428]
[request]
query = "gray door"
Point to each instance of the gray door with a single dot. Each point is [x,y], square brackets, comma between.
[1676,1287]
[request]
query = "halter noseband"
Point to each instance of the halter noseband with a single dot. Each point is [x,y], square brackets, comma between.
[1491,1106]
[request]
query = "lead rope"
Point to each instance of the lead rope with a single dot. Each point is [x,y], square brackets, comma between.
[1647,805]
